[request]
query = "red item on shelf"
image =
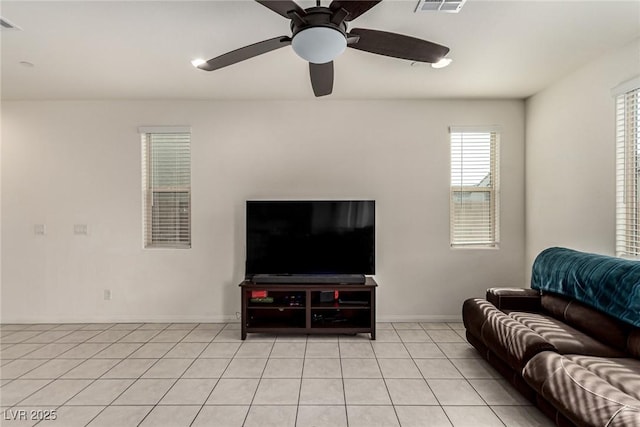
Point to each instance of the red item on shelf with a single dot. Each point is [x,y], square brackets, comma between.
[258,294]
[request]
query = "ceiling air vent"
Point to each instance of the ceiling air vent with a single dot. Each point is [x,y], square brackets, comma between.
[5,24]
[449,6]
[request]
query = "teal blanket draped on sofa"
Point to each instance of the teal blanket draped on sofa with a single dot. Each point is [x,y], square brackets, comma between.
[604,282]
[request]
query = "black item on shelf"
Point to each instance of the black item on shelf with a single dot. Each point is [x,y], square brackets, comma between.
[353,301]
[327,296]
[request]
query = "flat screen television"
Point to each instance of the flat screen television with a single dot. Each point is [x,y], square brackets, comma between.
[306,237]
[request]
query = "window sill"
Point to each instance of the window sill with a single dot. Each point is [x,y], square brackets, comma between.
[475,247]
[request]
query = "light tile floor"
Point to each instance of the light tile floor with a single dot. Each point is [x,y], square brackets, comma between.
[119,375]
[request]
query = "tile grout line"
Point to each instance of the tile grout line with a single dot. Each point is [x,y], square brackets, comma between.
[53,380]
[393,405]
[66,372]
[438,400]
[301,378]
[426,381]
[24,373]
[344,389]
[204,403]
[468,382]
[259,380]
[154,406]
[132,383]
[218,379]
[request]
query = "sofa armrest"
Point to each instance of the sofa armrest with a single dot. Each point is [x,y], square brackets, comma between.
[512,341]
[523,299]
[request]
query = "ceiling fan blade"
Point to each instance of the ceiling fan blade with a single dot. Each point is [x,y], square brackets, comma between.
[246,52]
[354,7]
[282,7]
[321,78]
[397,45]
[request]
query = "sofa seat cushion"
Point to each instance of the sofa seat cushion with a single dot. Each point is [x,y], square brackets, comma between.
[622,373]
[565,339]
[579,394]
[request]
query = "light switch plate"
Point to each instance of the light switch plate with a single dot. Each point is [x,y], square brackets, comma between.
[80,229]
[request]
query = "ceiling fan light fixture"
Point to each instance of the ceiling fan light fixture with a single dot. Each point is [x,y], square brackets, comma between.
[443,62]
[197,62]
[319,45]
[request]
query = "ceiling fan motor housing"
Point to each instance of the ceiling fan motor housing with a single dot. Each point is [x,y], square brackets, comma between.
[316,17]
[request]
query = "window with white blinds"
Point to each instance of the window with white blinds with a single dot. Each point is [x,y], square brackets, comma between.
[628,173]
[475,192]
[166,186]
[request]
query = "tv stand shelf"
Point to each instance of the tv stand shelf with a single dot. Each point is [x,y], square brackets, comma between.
[303,308]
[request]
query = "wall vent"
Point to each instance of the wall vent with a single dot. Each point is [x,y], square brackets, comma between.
[5,24]
[448,6]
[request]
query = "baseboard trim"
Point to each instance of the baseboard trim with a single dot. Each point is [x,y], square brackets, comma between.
[226,318]
[422,318]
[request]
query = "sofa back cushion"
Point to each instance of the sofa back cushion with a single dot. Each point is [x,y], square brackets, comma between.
[633,343]
[554,304]
[592,322]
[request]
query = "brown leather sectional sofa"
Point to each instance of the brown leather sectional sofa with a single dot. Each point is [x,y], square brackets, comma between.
[579,365]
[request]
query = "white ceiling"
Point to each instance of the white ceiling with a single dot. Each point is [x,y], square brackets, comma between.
[142,49]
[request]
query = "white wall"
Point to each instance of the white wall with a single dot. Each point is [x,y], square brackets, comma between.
[570,157]
[68,162]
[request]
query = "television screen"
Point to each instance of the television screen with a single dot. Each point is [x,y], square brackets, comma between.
[310,237]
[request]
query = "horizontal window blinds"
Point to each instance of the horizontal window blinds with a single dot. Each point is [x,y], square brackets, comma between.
[627,174]
[474,210]
[167,189]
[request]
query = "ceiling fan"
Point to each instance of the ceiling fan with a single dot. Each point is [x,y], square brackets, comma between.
[320,34]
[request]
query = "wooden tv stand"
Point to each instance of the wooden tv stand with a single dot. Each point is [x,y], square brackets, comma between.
[298,309]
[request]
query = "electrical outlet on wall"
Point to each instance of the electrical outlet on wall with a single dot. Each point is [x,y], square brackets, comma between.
[107,294]
[39,230]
